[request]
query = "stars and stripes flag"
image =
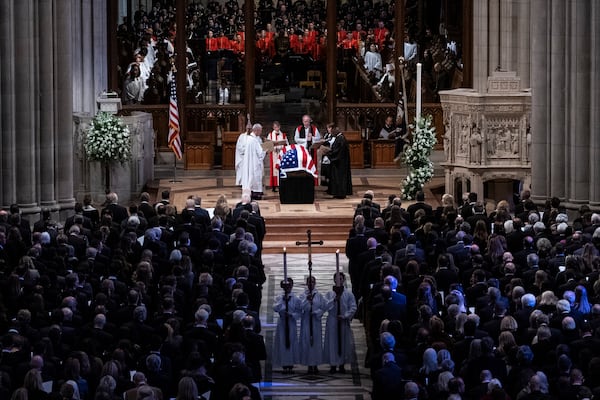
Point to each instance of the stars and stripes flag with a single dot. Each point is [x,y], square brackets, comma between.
[174,136]
[296,158]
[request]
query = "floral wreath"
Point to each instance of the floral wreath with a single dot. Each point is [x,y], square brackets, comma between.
[107,139]
[416,156]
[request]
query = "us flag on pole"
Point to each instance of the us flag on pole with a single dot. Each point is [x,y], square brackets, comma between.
[174,137]
[296,158]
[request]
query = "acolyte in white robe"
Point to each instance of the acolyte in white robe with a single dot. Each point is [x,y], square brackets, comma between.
[240,150]
[311,355]
[252,167]
[283,356]
[347,310]
[373,63]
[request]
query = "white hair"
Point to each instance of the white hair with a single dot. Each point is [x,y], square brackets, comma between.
[562,217]
[509,226]
[528,300]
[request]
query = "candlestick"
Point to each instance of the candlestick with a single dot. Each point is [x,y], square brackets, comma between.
[419,68]
[337,268]
[284,265]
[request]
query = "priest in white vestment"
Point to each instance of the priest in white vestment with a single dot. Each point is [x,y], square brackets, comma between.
[252,166]
[240,150]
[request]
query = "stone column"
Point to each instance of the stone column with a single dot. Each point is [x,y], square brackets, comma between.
[480,46]
[539,106]
[7,107]
[581,130]
[46,129]
[595,104]
[495,34]
[89,53]
[26,62]
[506,29]
[524,43]
[63,93]
[557,99]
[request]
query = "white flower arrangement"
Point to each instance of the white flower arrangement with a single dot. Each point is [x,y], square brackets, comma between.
[107,139]
[416,155]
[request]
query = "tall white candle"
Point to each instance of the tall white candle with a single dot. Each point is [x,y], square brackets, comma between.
[419,68]
[284,265]
[338,281]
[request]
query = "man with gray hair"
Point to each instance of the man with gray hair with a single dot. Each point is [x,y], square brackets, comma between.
[251,169]
[139,380]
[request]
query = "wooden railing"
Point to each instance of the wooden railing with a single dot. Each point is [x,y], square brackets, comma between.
[202,122]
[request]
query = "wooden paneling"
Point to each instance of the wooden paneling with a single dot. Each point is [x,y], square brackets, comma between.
[382,153]
[357,149]
[200,150]
[229,141]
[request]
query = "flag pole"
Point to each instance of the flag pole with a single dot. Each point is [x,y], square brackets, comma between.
[174,180]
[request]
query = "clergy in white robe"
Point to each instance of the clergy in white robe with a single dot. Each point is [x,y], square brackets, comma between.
[240,150]
[338,320]
[311,344]
[252,167]
[285,352]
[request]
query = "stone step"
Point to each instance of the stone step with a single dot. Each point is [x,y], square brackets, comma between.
[286,231]
[297,232]
[329,246]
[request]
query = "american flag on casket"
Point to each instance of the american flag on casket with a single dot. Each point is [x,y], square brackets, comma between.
[296,158]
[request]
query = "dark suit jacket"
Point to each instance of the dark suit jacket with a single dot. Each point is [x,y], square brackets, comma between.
[256,352]
[387,382]
[412,209]
[119,213]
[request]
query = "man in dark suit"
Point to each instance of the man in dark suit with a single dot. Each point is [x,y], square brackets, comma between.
[369,194]
[16,219]
[217,233]
[145,207]
[461,251]
[419,205]
[387,381]
[199,337]
[410,252]
[118,212]
[389,305]
[202,215]
[242,275]
[95,339]
[355,246]
[379,231]
[254,344]
[467,209]
[478,214]
[244,204]
[86,222]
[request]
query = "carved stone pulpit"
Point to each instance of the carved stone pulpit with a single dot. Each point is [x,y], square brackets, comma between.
[487,136]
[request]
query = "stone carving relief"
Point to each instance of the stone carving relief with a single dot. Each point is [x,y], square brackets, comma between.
[475,142]
[447,136]
[502,137]
[464,133]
